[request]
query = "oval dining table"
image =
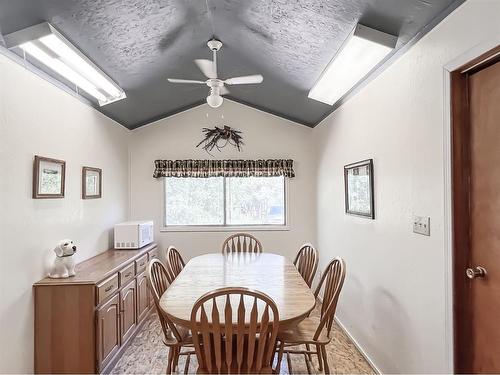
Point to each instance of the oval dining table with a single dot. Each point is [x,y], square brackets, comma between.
[269,273]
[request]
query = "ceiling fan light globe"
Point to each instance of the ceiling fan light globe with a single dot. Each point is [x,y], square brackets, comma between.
[214,101]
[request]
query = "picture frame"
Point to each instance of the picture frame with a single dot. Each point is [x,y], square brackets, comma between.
[359,191]
[49,177]
[91,183]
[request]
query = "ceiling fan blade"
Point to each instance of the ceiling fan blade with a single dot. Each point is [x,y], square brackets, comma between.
[223,90]
[244,80]
[207,67]
[175,80]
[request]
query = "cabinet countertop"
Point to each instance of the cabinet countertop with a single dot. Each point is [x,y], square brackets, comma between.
[99,267]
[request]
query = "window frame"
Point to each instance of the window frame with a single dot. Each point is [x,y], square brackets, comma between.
[225,227]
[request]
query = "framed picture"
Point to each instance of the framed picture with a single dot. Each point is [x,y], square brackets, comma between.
[358,181]
[91,183]
[48,178]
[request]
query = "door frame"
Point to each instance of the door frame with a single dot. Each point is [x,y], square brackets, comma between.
[456,201]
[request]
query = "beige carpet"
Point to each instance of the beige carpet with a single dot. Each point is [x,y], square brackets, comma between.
[148,355]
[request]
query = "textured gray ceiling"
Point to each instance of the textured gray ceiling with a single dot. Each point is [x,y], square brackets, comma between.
[141,42]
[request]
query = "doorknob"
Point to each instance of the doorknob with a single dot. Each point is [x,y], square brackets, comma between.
[478,271]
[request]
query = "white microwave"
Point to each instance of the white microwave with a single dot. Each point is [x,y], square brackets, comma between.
[133,234]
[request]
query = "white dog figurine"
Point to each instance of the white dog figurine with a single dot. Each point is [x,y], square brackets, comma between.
[64,264]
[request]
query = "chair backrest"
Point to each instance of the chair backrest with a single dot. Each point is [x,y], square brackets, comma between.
[306,262]
[332,281]
[158,282]
[241,243]
[175,263]
[234,330]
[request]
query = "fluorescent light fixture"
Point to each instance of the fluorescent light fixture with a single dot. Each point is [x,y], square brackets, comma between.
[359,54]
[44,43]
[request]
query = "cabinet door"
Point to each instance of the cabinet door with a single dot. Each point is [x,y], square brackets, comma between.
[142,296]
[108,330]
[128,301]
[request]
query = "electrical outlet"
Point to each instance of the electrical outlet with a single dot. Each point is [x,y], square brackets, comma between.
[422,225]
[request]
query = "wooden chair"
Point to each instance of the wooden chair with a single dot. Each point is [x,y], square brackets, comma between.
[241,343]
[175,263]
[175,338]
[311,331]
[241,243]
[306,262]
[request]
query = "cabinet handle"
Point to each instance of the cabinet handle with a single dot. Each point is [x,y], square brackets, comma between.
[109,288]
[128,274]
[141,264]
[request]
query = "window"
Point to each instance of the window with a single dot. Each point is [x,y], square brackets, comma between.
[225,202]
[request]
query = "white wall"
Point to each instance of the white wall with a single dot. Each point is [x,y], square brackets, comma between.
[38,118]
[265,136]
[393,302]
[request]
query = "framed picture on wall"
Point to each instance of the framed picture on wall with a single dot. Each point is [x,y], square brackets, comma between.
[48,178]
[91,183]
[358,181]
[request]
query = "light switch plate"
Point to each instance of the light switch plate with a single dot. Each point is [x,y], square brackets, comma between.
[422,225]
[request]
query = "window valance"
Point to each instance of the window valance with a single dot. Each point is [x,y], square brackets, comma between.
[224,168]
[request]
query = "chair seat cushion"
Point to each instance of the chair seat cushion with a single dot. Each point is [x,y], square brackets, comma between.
[304,333]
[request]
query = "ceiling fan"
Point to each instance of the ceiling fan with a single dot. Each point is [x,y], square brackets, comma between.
[209,69]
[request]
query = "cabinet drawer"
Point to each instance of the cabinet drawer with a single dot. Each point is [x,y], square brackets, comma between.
[107,288]
[127,274]
[141,263]
[153,253]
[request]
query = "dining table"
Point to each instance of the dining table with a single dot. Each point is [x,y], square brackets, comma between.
[269,273]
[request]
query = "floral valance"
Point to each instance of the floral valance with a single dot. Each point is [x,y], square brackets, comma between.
[224,168]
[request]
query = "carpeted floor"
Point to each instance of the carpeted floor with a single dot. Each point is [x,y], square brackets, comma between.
[148,355]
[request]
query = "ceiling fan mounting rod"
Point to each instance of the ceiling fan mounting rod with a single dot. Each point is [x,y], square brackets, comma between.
[215,62]
[214,46]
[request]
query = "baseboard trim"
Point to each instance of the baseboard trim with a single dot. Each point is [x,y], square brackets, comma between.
[358,346]
[354,341]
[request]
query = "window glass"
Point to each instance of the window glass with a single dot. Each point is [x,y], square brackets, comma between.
[255,201]
[194,201]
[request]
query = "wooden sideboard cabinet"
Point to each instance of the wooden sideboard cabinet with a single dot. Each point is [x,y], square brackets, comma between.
[83,323]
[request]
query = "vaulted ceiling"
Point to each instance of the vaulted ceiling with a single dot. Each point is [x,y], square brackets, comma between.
[139,43]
